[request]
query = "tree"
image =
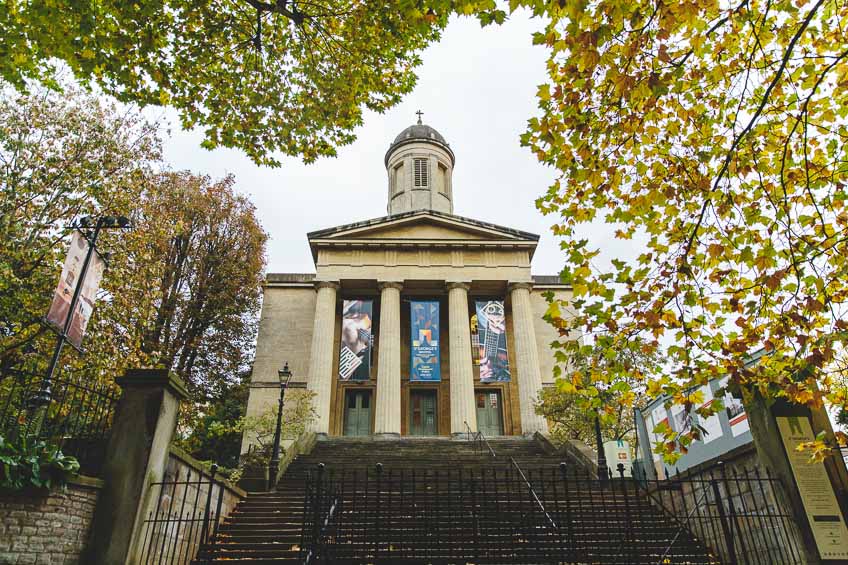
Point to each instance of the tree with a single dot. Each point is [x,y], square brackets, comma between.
[573,410]
[265,76]
[716,134]
[187,296]
[61,156]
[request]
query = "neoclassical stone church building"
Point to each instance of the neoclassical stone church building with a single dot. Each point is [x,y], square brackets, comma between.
[418,323]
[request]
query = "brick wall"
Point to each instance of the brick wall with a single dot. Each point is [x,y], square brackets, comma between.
[47,527]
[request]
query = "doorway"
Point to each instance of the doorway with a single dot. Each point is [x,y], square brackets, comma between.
[422,413]
[357,416]
[489,412]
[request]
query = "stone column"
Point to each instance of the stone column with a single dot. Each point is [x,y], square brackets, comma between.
[526,359]
[462,404]
[387,413]
[136,455]
[320,379]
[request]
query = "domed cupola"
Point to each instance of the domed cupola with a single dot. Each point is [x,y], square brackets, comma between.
[420,165]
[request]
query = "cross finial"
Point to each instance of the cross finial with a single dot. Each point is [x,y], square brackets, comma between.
[420,113]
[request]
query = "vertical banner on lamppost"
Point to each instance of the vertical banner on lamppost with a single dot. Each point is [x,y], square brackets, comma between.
[69,279]
[424,317]
[357,341]
[491,341]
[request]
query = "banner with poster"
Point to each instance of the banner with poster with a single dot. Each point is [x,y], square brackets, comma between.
[357,340]
[424,317]
[69,279]
[736,414]
[491,341]
[712,425]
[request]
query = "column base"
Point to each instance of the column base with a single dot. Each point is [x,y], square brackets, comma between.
[321,436]
[461,436]
[386,435]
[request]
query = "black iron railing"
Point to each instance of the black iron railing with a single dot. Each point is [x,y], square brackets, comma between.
[187,516]
[555,514]
[481,444]
[737,513]
[76,420]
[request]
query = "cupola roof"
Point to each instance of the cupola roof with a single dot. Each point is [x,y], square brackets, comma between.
[417,133]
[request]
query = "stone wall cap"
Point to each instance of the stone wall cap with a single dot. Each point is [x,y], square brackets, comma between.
[86,481]
[152,378]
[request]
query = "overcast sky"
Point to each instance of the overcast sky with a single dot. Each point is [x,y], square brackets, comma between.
[477,88]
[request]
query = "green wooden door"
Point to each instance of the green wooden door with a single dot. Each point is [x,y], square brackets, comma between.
[489,412]
[358,413]
[422,417]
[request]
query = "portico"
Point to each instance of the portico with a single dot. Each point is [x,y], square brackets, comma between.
[475,352]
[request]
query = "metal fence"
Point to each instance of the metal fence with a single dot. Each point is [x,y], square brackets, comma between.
[539,515]
[76,420]
[736,512]
[187,516]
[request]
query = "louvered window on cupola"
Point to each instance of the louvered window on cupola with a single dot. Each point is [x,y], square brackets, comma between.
[420,166]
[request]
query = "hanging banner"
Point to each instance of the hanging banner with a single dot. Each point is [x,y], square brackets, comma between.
[424,317]
[491,341]
[736,414]
[357,341]
[57,316]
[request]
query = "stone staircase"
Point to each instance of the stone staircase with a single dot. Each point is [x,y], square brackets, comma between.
[265,528]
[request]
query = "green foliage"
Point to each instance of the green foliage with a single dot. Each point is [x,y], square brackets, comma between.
[262,76]
[27,462]
[714,136]
[572,408]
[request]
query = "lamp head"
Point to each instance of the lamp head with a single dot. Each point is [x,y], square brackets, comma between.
[285,375]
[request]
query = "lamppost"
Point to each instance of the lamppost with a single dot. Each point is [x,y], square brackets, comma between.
[274,466]
[603,471]
[90,229]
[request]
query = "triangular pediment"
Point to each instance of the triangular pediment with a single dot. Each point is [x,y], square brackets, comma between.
[423,226]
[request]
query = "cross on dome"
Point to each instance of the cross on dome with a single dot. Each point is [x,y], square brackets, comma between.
[419,113]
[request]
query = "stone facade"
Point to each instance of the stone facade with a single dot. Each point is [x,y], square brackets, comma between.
[47,527]
[420,251]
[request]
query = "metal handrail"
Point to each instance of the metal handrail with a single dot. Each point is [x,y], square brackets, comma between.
[313,552]
[479,439]
[533,492]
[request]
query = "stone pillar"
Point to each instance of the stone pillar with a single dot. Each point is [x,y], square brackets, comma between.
[526,359]
[462,404]
[320,380]
[387,414]
[136,456]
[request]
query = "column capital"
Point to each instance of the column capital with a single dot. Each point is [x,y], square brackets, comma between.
[328,284]
[519,285]
[464,285]
[382,285]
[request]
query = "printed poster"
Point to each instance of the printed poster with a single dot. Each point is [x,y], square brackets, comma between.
[357,340]
[424,317]
[736,414]
[712,425]
[823,514]
[57,316]
[490,341]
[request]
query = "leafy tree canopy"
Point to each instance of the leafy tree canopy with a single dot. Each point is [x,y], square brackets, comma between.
[716,134]
[264,76]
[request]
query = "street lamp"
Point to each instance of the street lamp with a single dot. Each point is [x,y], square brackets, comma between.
[285,376]
[603,471]
[90,229]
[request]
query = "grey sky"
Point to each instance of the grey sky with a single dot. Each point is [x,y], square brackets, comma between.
[477,87]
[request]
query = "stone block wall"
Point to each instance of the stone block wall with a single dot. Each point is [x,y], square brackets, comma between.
[49,527]
[173,531]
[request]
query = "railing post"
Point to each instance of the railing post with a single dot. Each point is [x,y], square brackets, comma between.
[628,527]
[726,528]
[377,524]
[317,500]
[204,533]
